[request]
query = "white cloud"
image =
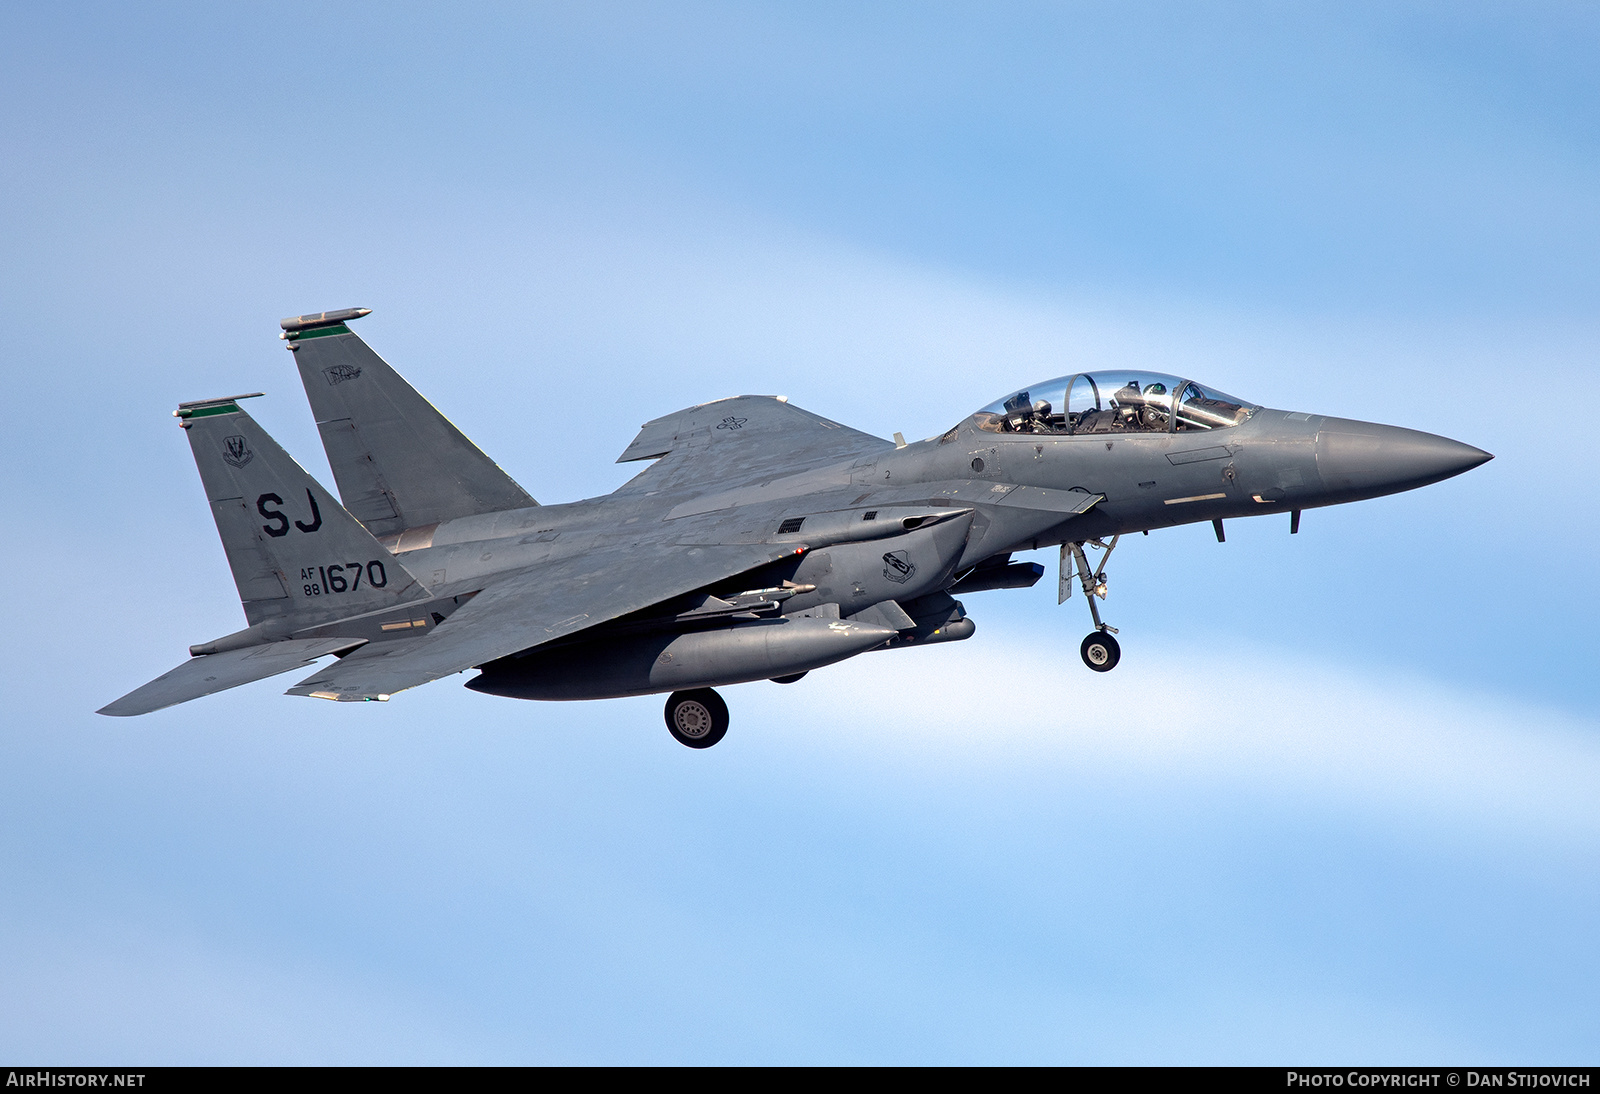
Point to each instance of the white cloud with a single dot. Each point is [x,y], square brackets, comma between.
[1410,749]
[980,851]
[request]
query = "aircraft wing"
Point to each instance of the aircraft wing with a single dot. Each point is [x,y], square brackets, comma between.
[731,442]
[535,606]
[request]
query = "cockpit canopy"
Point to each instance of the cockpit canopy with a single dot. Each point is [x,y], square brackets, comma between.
[1114,402]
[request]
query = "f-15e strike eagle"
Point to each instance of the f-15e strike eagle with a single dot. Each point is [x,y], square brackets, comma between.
[762,543]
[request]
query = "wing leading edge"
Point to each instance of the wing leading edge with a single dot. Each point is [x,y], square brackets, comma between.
[537,606]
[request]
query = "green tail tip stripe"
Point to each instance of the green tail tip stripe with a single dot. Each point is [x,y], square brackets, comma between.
[318,332]
[207,411]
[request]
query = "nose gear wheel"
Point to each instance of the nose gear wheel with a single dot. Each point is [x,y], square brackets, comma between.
[1100,652]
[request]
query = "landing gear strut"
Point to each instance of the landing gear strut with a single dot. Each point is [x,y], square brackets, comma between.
[697,718]
[1099,651]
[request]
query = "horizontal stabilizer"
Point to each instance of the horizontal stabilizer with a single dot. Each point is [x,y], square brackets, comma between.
[216,672]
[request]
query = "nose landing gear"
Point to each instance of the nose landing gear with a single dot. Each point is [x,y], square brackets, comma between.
[1099,650]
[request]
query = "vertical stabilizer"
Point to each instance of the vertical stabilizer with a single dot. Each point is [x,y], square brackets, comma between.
[399,463]
[294,550]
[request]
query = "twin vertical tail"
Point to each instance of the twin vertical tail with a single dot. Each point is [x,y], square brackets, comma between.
[296,553]
[304,564]
[300,560]
[399,463]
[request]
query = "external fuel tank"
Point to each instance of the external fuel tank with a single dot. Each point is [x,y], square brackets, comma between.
[644,664]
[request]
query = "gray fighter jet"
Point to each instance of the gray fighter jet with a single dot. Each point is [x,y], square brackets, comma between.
[762,543]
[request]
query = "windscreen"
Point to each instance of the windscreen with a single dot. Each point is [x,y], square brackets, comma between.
[1114,402]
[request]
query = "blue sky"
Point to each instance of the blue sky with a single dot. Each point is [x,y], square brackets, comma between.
[1340,804]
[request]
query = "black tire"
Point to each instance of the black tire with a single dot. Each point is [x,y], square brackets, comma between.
[1100,652]
[698,718]
[792,678]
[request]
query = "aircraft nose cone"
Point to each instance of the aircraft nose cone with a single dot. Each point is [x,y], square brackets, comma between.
[1364,458]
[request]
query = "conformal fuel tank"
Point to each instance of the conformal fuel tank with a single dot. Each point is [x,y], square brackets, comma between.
[648,663]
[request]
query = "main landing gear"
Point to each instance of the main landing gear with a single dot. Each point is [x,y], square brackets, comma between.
[1099,651]
[697,718]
